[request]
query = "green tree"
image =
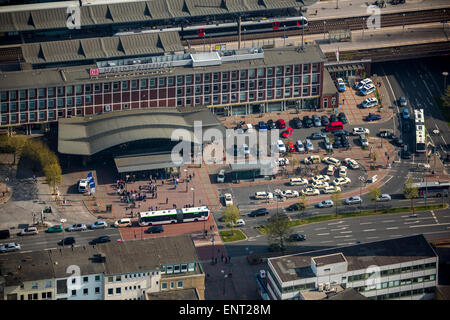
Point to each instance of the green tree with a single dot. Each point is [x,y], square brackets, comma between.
[336,198]
[17,143]
[446,98]
[231,214]
[53,175]
[410,192]
[278,230]
[374,194]
[302,203]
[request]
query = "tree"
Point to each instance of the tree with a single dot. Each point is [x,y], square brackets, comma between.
[410,192]
[294,163]
[302,203]
[278,230]
[375,193]
[446,98]
[53,175]
[231,214]
[17,143]
[336,198]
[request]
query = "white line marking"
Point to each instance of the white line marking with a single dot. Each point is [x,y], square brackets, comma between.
[386,221]
[335,223]
[369,230]
[417,221]
[336,237]
[372,237]
[28,251]
[366,223]
[320,228]
[396,236]
[392,228]
[323,234]
[346,231]
[429,225]
[338,229]
[434,216]
[328,241]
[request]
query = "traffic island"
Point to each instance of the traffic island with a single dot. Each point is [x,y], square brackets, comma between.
[232,235]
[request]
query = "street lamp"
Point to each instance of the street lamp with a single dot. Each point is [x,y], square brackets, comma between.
[187,183]
[224,277]
[62,221]
[361,178]
[212,251]
[193,196]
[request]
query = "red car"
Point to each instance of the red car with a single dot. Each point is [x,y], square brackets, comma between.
[281,124]
[287,133]
[291,147]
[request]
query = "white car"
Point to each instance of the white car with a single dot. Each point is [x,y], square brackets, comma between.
[29,231]
[310,192]
[221,176]
[358,131]
[331,169]
[363,83]
[228,199]
[369,103]
[77,227]
[363,140]
[352,163]
[124,222]
[320,185]
[289,194]
[308,144]
[263,195]
[10,247]
[240,222]
[83,185]
[298,182]
[325,204]
[342,171]
[322,178]
[283,161]
[367,89]
[373,179]
[332,189]
[353,200]
[333,161]
[384,197]
[312,159]
[98,225]
[300,147]
[281,147]
[341,181]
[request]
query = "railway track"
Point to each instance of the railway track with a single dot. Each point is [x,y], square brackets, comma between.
[354,23]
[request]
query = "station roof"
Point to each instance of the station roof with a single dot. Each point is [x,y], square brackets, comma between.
[80,74]
[102,47]
[89,135]
[45,16]
[145,162]
[359,256]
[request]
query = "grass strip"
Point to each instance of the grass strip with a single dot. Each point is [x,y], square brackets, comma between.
[231,235]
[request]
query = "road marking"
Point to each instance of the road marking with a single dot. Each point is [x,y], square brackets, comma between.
[335,223]
[372,237]
[434,216]
[28,251]
[338,229]
[336,237]
[386,221]
[366,223]
[345,243]
[328,241]
[416,221]
[346,231]
[323,234]
[429,225]
[396,236]
[369,230]
[392,228]
[390,177]
[320,228]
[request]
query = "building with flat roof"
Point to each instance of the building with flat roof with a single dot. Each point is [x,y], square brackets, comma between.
[111,271]
[403,268]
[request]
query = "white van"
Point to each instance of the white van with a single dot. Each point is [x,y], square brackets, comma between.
[221,176]
[373,179]
[82,185]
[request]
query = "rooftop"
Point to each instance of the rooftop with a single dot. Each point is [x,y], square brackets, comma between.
[184,294]
[329,259]
[80,74]
[360,256]
[120,257]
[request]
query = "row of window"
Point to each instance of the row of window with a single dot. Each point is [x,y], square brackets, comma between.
[165,285]
[178,268]
[396,283]
[407,293]
[132,276]
[85,291]
[419,267]
[119,289]
[35,296]
[161,81]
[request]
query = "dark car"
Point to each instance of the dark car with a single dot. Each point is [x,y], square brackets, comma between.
[101,239]
[318,135]
[405,154]
[297,123]
[155,229]
[262,126]
[345,142]
[386,134]
[307,122]
[372,117]
[4,234]
[67,241]
[339,133]
[258,213]
[280,215]
[398,142]
[343,118]
[271,125]
[297,237]
[337,144]
[325,120]
[294,207]
[333,118]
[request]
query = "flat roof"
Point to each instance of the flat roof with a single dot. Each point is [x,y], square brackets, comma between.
[145,162]
[89,135]
[329,259]
[359,257]
[183,294]
[37,78]
[120,257]
[54,16]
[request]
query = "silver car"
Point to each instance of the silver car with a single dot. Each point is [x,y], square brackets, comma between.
[10,247]
[98,225]
[77,227]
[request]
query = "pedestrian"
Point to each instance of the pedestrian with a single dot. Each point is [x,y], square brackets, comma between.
[215,260]
[193,174]
[229,259]
[190,177]
[221,257]
[167,200]
[226,260]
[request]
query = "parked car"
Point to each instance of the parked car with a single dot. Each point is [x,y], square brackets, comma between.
[327,144]
[124,222]
[297,237]
[340,133]
[323,178]
[298,181]
[67,241]
[337,143]
[309,146]
[319,185]
[262,126]
[349,162]
[334,118]
[307,122]
[281,124]
[287,133]
[281,147]
[341,181]
[325,204]
[221,176]
[316,121]
[4,234]
[364,142]
[331,189]
[76,227]
[240,223]
[295,207]
[345,142]
[405,113]
[353,200]
[331,160]
[363,83]
[402,101]
[341,84]
[312,159]
[101,239]
[29,231]
[342,171]
[300,146]
[386,134]
[384,197]
[367,89]
[331,169]
[258,212]
[310,192]
[9,247]
[99,225]
[271,124]
[297,123]
[342,117]
[318,135]
[325,121]
[369,103]
[372,179]
[372,117]
[228,199]
[398,142]
[357,131]
[57,228]
[155,229]
[263,195]
[289,194]
[290,147]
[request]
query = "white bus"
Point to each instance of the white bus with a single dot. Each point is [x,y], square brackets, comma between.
[150,218]
[419,122]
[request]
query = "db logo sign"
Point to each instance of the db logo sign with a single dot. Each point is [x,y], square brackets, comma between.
[94,72]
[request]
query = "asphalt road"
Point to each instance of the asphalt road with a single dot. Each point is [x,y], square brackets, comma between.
[43,240]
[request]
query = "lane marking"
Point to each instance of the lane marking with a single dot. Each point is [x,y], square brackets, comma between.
[320,228]
[434,216]
[347,236]
[417,221]
[429,225]
[366,223]
[346,231]
[386,221]
[323,234]
[369,230]
[330,224]
[339,229]
[372,237]
[392,228]
[328,241]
